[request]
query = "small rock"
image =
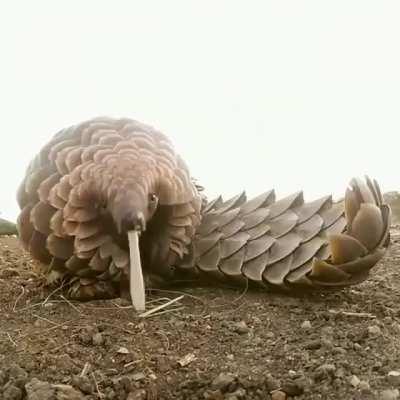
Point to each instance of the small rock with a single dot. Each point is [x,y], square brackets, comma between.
[313,345]
[241,327]
[357,346]
[374,330]
[12,393]
[83,383]
[38,390]
[364,387]
[98,339]
[396,327]
[123,350]
[187,359]
[324,371]
[394,378]
[389,394]
[306,325]
[139,376]
[236,395]
[271,383]
[278,395]
[291,388]
[327,343]
[139,394]
[65,362]
[85,337]
[16,372]
[213,395]
[327,331]
[355,381]
[222,381]
[110,394]
[339,350]
[292,374]
[3,377]
[67,392]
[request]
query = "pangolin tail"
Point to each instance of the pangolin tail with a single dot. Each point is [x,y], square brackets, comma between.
[291,244]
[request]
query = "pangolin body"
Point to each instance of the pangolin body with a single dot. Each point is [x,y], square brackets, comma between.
[96,181]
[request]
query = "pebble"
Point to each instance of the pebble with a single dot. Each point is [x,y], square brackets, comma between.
[236,395]
[271,383]
[292,374]
[123,350]
[396,327]
[389,394]
[139,394]
[3,377]
[278,395]
[67,392]
[16,372]
[292,388]
[12,393]
[139,376]
[374,330]
[241,327]
[355,381]
[83,383]
[327,331]
[324,371]
[313,345]
[222,381]
[98,339]
[364,386]
[339,350]
[306,325]
[394,378]
[39,390]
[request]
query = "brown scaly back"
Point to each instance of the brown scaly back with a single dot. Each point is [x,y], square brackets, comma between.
[90,184]
[290,244]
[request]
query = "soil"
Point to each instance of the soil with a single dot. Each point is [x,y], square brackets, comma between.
[214,343]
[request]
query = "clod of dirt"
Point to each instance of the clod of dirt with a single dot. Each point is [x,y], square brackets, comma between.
[223,382]
[98,339]
[139,394]
[324,371]
[389,394]
[67,392]
[364,387]
[374,330]
[278,395]
[306,325]
[241,327]
[38,390]
[292,388]
[394,378]
[83,383]
[355,381]
[12,392]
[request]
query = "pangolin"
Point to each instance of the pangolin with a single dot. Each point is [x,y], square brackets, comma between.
[108,204]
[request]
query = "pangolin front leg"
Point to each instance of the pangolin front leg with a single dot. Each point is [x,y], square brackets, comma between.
[104,190]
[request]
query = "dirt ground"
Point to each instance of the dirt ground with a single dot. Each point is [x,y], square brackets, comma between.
[215,343]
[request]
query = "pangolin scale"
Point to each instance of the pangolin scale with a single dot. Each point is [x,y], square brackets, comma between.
[95,181]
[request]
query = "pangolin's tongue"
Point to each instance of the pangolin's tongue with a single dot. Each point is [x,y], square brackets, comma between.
[136,283]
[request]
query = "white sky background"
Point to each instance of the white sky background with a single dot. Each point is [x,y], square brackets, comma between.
[254,94]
